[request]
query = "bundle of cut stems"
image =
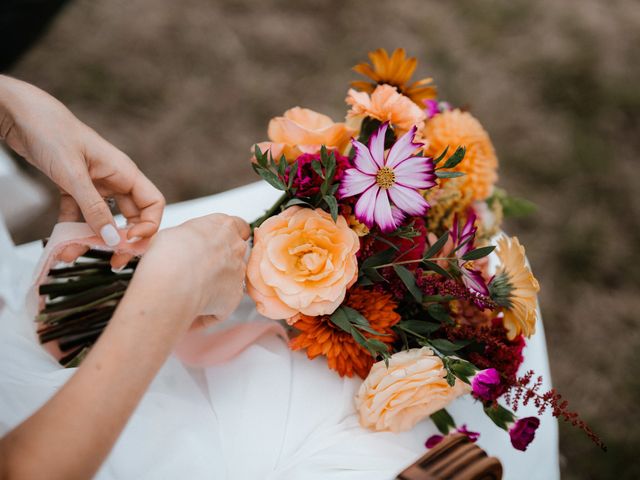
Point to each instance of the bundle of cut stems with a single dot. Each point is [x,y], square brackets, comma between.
[79,301]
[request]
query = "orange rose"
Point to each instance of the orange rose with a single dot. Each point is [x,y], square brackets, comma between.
[386,104]
[301,130]
[302,262]
[413,387]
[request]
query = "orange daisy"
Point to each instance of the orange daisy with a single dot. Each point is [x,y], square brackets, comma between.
[396,71]
[319,336]
[453,129]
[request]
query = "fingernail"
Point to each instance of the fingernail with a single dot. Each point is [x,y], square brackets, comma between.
[110,235]
[118,269]
[134,239]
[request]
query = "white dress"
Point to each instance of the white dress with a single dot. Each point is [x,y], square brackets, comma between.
[267,414]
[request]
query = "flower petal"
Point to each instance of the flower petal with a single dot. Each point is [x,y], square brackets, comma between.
[376,143]
[383,215]
[363,159]
[403,148]
[473,280]
[408,200]
[354,182]
[366,205]
[416,172]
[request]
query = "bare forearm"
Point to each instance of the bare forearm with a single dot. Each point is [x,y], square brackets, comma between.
[87,415]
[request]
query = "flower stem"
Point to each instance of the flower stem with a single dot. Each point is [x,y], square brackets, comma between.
[271,212]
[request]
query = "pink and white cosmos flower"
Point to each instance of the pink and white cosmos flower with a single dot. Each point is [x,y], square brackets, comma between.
[388,186]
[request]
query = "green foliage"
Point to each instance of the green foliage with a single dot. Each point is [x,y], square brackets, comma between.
[478,253]
[512,206]
[352,322]
[500,415]
[443,421]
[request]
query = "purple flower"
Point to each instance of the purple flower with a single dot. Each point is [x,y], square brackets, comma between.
[463,241]
[388,187]
[306,180]
[434,107]
[434,440]
[486,384]
[523,432]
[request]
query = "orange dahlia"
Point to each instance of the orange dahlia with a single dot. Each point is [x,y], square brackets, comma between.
[396,71]
[453,129]
[319,336]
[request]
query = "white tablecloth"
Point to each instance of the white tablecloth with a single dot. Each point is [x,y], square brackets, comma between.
[270,413]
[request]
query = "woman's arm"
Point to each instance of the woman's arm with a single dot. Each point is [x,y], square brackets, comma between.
[185,269]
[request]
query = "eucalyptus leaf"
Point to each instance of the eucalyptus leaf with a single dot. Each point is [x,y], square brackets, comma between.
[409,281]
[478,253]
[436,247]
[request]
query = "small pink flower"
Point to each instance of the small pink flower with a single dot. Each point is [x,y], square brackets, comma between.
[486,384]
[523,432]
[463,242]
[388,186]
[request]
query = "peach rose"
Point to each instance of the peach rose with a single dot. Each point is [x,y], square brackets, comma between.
[302,262]
[409,390]
[386,104]
[301,130]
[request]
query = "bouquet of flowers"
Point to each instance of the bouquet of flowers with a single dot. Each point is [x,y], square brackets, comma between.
[384,254]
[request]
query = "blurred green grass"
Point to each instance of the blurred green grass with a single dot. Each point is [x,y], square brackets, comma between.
[185,88]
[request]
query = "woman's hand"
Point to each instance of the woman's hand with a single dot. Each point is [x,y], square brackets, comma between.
[84,165]
[196,266]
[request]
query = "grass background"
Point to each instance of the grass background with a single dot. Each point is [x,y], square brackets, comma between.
[185,88]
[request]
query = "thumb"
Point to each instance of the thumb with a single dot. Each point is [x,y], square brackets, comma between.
[96,211]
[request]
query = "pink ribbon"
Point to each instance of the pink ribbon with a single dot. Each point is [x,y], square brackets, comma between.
[197,347]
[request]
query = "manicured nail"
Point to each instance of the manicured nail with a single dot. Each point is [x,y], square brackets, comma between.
[110,235]
[134,239]
[118,269]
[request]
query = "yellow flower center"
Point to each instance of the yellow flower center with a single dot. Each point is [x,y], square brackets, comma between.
[385,178]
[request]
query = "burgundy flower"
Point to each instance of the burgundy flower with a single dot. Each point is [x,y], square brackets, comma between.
[434,440]
[523,432]
[307,181]
[486,384]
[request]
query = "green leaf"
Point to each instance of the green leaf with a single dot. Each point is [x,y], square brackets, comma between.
[339,318]
[317,167]
[446,347]
[456,158]
[409,281]
[443,174]
[293,171]
[443,421]
[433,266]
[462,369]
[420,327]
[500,415]
[438,312]
[373,274]
[333,206]
[380,258]
[478,253]
[439,158]
[517,207]
[272,179]
[261,158]
[436,247]
[297,201]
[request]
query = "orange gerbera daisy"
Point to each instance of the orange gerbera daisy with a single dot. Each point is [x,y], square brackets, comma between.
[396,71]
[453,129]
[515,288]
[319,336]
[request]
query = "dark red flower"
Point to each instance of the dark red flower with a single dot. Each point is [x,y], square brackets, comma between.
[307,181]
[523,432]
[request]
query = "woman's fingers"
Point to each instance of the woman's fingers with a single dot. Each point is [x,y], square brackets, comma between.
[150,203]
[94,209]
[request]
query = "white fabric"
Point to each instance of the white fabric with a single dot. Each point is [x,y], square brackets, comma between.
[269,414]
